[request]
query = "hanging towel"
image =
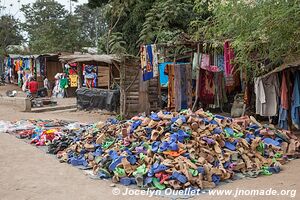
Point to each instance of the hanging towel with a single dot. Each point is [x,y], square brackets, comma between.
[149,62]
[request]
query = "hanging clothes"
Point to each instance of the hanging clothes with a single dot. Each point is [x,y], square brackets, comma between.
[220,62]
[295,110]
[149,62]
[267,92]
[179,86]
[73,80]
[205,61]
[284,104]
[206,90]
[228,66]
[163,78]
[196,63]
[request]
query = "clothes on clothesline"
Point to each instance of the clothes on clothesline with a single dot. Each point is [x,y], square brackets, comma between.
[149,62]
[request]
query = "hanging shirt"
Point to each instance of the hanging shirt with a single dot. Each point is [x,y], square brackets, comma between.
[267,92]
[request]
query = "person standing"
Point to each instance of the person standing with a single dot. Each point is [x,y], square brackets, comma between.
[33,87]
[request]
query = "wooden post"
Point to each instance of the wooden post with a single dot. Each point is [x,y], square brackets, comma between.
[79,69]
[122,90]
[110,71]
[143,94]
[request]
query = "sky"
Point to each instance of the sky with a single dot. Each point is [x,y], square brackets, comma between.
[16,5]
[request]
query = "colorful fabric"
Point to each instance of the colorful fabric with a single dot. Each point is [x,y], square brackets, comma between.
[63,83]
[163,78]
[149,62]
[206,89]
[73,80]
[220,62]
[180,86]
[228,58]
[205,61]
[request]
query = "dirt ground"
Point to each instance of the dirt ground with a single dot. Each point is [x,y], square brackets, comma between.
[28,173]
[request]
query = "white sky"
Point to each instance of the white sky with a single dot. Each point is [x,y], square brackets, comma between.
[16,5]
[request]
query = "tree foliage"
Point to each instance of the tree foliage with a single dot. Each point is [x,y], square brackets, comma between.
[263,32]
[10,32]
[51,28]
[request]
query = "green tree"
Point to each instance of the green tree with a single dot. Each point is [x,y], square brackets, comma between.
[137,22]
[263,32]
[46,25]
[10,32]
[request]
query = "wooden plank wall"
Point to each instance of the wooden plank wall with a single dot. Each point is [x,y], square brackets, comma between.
[132,94]
[142,96]
[103,77]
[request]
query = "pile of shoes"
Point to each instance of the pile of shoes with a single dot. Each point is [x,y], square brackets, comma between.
[180,150]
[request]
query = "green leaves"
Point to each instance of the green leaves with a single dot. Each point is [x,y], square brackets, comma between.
[262,31]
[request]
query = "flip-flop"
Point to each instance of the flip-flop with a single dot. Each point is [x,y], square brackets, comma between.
[228,131]
[103,173]
[148,182]
[201,170]
[127,181]
[230,146]
[175,184]
[173,146]
[271,141]
[154,117]
[139,179]
[179,176]
[216,179]
[140,170]
[164,146]
[157,184]
[120,172]
[132,159]
[217,130]
[155,146]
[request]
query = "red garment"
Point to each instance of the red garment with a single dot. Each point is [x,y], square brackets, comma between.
[228,58]
[33,86]
[284,93]
[206,90]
